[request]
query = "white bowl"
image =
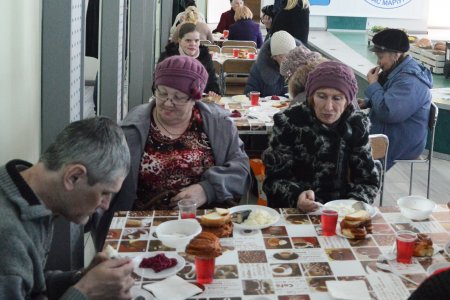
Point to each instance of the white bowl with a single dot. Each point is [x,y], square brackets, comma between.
[178,233]
[416,207]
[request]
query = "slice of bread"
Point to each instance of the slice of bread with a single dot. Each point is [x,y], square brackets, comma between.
[214,219]
[222,211]
[360,215]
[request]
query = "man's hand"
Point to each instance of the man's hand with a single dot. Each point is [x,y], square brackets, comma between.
[193,192]
[372,76]
[306,201]
[110,279]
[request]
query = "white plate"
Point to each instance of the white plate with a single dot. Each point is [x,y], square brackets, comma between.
[269,98]
[149,273]
[440,265]
[253,208]
[344,207]
[339,232]
[240,99]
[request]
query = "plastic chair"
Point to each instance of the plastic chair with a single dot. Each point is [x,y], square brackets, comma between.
[205,42]
[432,120]
[239,43]
[380,147]
[213,48]
[235,75]
[229,49]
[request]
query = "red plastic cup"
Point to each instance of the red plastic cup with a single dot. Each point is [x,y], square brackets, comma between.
[254,98]
[329,220]
[188,209]
[236,53]
[405,245]
[205,269]
[225,34]
[251,56]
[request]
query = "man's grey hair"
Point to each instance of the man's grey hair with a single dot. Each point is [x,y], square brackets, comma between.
[97,143]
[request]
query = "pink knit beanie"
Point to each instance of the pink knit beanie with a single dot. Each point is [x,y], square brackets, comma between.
[332,74]
[297,58]
[183,73]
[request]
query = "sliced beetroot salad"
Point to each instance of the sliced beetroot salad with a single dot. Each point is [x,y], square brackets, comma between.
[158,262]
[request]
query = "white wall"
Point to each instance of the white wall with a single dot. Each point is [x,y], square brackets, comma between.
[20,80]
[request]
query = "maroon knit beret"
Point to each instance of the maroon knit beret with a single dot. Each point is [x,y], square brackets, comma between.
[183,73]
[332,74]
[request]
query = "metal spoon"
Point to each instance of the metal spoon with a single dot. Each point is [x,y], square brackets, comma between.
[383,265]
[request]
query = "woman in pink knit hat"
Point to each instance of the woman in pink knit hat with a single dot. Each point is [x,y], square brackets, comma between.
[320,149]
[180,148]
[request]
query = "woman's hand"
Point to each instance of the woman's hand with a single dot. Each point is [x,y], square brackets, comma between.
[193,192]
[362,103]
[306,201]
[372,76]
[212,94]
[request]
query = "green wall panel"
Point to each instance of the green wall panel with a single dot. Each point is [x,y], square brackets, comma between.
[355,23]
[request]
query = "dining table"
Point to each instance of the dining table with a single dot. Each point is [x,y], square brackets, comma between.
[253,119]
[291,259]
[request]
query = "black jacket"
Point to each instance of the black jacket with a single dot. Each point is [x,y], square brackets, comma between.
[335,162]
[204,58]
[295,21]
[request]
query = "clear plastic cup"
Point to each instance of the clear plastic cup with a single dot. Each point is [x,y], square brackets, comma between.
[329,220]
[205,269]
[405,245]
[188,209]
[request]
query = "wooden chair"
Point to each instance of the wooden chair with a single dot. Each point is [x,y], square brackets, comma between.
[239,43]
[432,120]
[235,75]
[205,42]
[213,48]
[229,49]
[380,147]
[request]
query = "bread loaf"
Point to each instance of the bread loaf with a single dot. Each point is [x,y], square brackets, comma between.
[356,225]
[424,43]
[440,45]
[205,245]
[423,246]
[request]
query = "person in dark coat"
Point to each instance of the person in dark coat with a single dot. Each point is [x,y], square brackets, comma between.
[320,150]
[189,45]
[265,74]
[227,18]
[245,29]
[294,18]
[267,18]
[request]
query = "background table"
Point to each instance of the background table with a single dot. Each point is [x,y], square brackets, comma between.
[291,260]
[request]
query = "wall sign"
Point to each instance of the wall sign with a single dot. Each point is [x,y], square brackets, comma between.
[388,4]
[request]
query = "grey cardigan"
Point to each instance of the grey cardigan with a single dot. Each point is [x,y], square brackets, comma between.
[229,178]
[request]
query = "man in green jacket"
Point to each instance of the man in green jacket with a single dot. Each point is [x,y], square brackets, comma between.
[77,174]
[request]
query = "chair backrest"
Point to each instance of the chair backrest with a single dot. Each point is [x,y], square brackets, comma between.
[229,49]
[205,42]
[432,120]
[213,48]
[239,43]
[380,147]
[237,66]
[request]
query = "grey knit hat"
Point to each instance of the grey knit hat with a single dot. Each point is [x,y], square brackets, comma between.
[297,57]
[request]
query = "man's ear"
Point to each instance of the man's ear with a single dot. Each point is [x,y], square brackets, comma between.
[72,175]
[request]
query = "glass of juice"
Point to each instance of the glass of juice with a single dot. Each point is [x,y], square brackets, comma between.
[225,34]
[254,98]
[188,209]
[205,269]
[405,245]
[329,220]
[235,53]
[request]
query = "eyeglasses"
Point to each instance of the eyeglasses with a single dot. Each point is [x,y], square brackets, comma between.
[177,101]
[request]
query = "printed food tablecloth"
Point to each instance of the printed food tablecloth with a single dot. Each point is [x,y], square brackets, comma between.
[291,260]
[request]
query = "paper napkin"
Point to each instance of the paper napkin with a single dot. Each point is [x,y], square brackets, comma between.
[348,290]
[173,288]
